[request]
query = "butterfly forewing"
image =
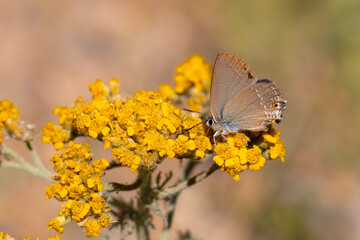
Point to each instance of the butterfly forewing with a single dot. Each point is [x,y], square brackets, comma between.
[230,76]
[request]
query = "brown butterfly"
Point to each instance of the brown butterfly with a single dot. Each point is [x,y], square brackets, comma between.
[239,100]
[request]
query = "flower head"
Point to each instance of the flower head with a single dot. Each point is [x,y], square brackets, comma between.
[194,72]
[6,236]
[140,129]
[277,147]
[55,135]
[78,185]
[9,115]
[232,156]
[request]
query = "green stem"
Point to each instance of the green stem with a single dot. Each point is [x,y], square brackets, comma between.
[173,194]
[10,154]
[143,221]
[159,212]
[34,156]
[17,162]
[187,183]
[116,187]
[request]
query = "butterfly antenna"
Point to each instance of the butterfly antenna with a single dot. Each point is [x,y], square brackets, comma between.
[207,132]
[204,120]
[193,126]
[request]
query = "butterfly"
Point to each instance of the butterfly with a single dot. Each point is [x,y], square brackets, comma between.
[240,101]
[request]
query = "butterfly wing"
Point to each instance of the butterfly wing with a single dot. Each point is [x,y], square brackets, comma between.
[230,75]
[255,106]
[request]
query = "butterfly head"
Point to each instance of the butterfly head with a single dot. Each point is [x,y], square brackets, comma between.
[209,121]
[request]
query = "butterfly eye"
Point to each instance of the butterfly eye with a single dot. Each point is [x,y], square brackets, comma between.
[210,122]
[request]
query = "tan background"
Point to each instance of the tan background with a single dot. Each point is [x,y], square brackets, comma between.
[50,50]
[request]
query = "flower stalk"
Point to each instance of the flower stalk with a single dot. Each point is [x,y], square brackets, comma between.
[14,160]
[187,183]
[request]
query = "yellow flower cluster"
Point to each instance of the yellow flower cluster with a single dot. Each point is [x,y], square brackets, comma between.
[149,125]
[79,186]
[9,115]
[166,90]
[277,147]
[57,237]
[141,130]
[197,100]
[53,134]
[235,156]
[192,80]
[194,72]
[5,236]
[8,237]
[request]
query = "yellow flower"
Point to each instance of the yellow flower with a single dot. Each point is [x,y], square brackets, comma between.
[193,72]
[180,145]
[127,158]
[153,140]
[114,86]
[140,129]
[8,111]
[9,115]
[97,203]
[79,210]
[254,158]
[28,238]
[93,228]
[5,236]
[53,134]
[233,157]
[57,224]
[278,151]
[97,88]
[56,190]
[193,125]
[166,90]
[272,136]
[196,101]
[99,126]
[66,116]
[202,143]
[100,164]
[104,220]
[277,147]
[54,238]
[78,183]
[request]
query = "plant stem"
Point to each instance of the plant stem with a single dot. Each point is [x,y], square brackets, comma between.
[116,187]
[173,193]
[187,183]
[34,156]
[18,162]
[143,223]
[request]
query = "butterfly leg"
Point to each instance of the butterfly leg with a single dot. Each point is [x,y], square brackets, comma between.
[225,139]
[242,138]
[217,133]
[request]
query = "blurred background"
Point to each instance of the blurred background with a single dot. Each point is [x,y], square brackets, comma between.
[50,50]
